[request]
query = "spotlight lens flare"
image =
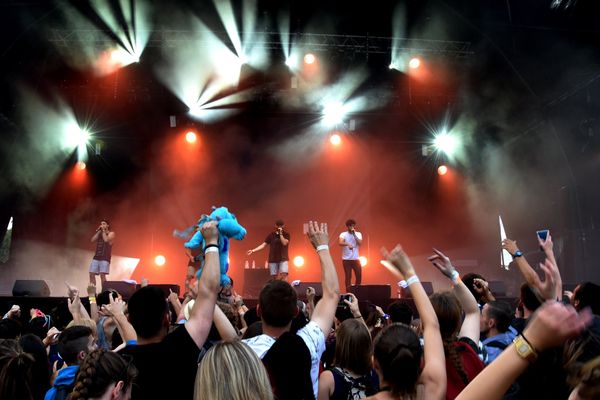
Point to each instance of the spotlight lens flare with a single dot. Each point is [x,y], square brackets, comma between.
[80,165]
[442,170]
[446,143]
[363,261]
[299,261]
[191,137]
[310,58]
[335,139]
[160,260]
[414,63]
[333,113]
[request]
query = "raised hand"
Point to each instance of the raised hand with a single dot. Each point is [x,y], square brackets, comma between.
[210,233]
[317,234]
[173,297]
[310,293]
[353,305]
[442,263]
[547,244]
[51,336]
[547,288]
[510,245]
[402,267]
[72,291]
[553,323]
[115,307]
[74,304]
[91,290]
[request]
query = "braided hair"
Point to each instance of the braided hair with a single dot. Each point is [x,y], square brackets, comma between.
[98,371]
[448,311]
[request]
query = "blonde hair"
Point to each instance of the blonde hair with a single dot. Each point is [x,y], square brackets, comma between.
[90,323]
[232,371]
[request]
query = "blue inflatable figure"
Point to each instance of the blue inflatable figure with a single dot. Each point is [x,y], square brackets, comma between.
[228,228]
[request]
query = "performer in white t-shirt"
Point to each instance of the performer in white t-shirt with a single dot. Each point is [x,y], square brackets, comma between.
[350,241]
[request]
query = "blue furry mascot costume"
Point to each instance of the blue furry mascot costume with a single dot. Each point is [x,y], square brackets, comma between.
[228,228]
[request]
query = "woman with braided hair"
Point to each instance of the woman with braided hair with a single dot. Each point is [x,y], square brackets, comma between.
[460,336]
[104,375]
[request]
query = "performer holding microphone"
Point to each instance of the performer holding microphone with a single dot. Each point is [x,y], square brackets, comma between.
[278,251]
[100,265]
[350,241]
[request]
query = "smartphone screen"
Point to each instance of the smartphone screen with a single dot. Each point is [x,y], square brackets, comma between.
[543,234]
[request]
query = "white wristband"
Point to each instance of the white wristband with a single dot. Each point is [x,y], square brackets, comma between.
[322,247]
[403,284]
[455,277]
[412,279]
[211,250]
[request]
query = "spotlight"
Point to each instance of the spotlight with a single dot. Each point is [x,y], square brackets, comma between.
[309,58]
[160,260]
[442,170]
[80,165]
[414,63]
[335,139]
[391,66]
[77,137]
[446,143]
[333,113]
[191,137]
[363,261]
[299,261]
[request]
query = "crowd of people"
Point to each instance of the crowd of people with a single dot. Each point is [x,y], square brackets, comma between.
[462,343]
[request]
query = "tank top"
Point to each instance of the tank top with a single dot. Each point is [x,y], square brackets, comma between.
[103,250]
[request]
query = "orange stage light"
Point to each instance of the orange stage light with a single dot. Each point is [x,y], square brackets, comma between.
[299,261]
[191,137]
[80,165]
[363,261]
[160,260]
[310,58]
[414,63]
[442,170]
[335,139]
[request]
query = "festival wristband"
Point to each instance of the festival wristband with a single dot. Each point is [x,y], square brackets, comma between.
[322,247]
[412,279]
[455,277]
[212,249]
[403,284]
[92,299]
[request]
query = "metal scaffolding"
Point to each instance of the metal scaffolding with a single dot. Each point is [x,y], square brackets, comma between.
[351,44]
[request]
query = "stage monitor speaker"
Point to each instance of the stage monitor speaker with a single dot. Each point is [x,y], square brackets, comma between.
[376,294]
[498,288]
[427,286]
[32,288]
[126,289]
[302,286]
[165,288]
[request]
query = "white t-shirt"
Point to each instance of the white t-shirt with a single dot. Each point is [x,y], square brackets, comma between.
[313,338]
[349,238]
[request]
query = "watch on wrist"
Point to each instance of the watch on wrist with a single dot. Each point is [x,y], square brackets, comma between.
[524,349]
[518,253]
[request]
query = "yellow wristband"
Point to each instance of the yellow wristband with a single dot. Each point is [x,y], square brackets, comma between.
[92,299]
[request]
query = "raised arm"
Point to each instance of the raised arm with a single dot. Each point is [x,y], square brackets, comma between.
[108,237]
[324,311]
[551,325]
[433,375]
[548,248]
[201,316]
[531,277]
[96,235]
[257,248]
[115,309]
[470,327]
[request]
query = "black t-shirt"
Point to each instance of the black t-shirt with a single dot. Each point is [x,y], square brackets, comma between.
[277,251]
[166,370]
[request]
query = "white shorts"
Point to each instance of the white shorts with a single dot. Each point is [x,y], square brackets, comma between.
[100,267]
[280,267]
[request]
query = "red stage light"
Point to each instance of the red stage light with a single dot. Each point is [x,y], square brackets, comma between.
[414,63]
[335,139]
[80,165]
[160,260]
[310,58]
[442,170]
[191,137]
